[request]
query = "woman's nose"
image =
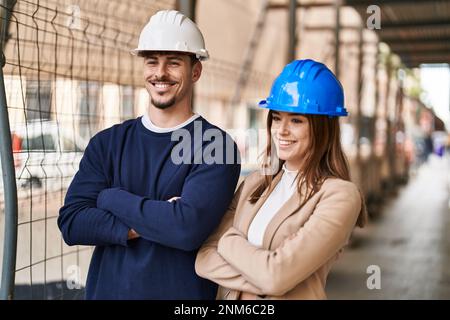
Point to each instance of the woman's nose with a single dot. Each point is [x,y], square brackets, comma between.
[283,129]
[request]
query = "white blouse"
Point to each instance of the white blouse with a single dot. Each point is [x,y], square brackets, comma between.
[280,194]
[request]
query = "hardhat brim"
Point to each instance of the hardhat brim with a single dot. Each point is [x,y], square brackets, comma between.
[274,107]
[201,57]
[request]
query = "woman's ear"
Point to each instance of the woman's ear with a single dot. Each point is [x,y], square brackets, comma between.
[196,71]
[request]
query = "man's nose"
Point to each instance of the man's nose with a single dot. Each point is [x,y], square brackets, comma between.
[161,70]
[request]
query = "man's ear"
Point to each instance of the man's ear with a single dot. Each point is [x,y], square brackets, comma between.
[196,71]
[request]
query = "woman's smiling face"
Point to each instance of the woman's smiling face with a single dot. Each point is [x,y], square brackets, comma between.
[291,134]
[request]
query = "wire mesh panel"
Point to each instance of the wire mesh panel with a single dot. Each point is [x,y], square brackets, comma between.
[68,74]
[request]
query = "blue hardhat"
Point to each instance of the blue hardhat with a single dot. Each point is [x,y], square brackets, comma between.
[306,87]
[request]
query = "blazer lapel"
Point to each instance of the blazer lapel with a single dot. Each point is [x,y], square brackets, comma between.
[289,207]
[249,211]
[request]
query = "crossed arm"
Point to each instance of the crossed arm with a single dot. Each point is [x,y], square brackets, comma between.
[228,259]
[132,234]
[95,214]
[211,265]
[80,221]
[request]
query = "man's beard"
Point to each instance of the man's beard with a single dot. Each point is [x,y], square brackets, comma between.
[160,104]
[165,104]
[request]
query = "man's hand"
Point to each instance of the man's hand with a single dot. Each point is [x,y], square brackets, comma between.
[132,234]
[174,199]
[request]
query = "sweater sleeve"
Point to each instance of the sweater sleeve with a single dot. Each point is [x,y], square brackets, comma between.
[185,223]
[80,221]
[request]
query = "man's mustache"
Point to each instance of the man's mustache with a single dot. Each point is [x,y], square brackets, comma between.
[162,79]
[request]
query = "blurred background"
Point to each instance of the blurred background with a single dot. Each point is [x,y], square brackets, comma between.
[68,73]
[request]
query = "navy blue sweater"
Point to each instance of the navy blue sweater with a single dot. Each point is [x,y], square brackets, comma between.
[124,181]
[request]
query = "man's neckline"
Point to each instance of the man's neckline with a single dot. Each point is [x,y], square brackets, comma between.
[149,125]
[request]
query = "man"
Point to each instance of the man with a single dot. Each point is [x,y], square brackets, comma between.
[147,214]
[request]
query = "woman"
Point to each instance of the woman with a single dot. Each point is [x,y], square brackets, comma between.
[285,228]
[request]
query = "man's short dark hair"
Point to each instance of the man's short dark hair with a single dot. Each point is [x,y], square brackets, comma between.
[193,57]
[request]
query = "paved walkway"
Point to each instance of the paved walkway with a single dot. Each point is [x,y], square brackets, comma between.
[409,241]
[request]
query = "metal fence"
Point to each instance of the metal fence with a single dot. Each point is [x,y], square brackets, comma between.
[68,74]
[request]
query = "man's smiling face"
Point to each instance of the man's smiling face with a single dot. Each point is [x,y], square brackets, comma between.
[169,77]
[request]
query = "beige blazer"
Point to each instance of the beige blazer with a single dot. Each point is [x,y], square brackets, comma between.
[299,245]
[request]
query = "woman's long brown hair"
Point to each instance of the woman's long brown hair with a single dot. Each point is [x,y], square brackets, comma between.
[324,160]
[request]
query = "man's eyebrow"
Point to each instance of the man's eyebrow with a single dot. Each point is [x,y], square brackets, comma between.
[174,58]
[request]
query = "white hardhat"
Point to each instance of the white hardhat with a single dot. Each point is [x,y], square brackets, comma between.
[169,30]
